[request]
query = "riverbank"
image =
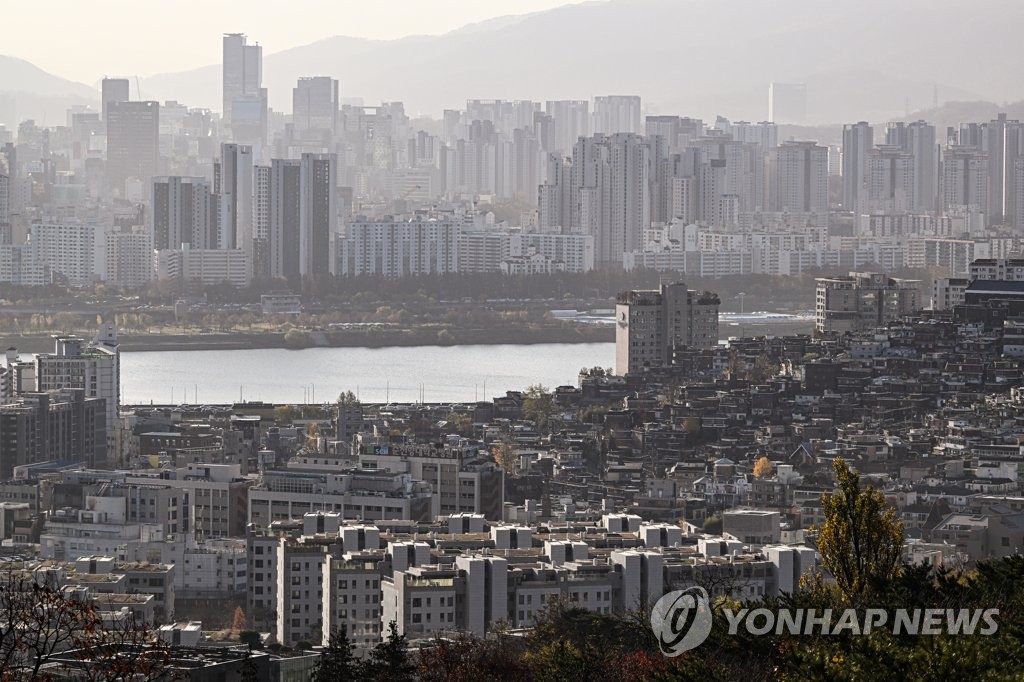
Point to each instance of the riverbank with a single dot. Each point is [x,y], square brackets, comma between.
[370,337]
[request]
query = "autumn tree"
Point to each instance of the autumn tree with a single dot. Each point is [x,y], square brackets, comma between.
[238,621]
[312,434]
[862,538]
[504,454]
[39,621]
[538,405]
[763,467]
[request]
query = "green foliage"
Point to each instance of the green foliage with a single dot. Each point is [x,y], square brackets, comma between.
[862,538]
[538,405]
[338,662]
[347,399]
[250,638]
[713,525]
[390,660]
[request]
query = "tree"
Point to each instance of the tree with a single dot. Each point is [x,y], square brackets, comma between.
[389,661]
[763,467]
[347,399]
[312,435]
[251,638]
[712,525]
[284,414]
[504,455]
[538,405]
[861,539]
[38,621]
[238,621]
[337,662]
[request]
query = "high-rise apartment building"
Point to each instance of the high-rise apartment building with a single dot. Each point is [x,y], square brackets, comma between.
[183,213]
[965,178]
[261,187]
[858,140]
[284,205]
[612,192]
[650,324]
[133,143]
[233,184]
[918,140]
[618,114]
[891,180]
[798,178]
[318,212]
[571,121]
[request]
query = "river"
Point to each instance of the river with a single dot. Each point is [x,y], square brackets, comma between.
[398,374]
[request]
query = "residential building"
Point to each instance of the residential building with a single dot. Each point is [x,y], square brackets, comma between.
[862,300]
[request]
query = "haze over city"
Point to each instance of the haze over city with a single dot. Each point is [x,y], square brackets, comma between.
[618,340]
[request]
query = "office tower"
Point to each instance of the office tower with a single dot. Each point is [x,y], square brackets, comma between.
[858,139]
[234,186]
[891,180]
[113,90]
[315,107]
[618,114]
[651,324]
[242,72]
[133,143]
[918,139]
[285,202]
[798,180]
[182,213]
[612,193]
[965,178]
[318,213]
[787,103]
[571,121]
[261,223]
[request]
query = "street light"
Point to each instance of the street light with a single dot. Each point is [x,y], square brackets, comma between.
[741,296]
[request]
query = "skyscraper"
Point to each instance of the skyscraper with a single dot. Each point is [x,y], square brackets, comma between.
[285,201]
[242,71]
[858,139]
[235,189]
[314,107]
[133,142]
[182,213]
[113,90]
[1003,142]
[317,213]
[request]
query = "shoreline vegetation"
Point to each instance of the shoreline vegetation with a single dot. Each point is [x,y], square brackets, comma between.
[372,337]
[385,336]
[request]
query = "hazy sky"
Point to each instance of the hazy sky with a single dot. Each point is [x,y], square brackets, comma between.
[85,40]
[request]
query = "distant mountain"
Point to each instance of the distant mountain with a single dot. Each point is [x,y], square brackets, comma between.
[26,91]
[870,59]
